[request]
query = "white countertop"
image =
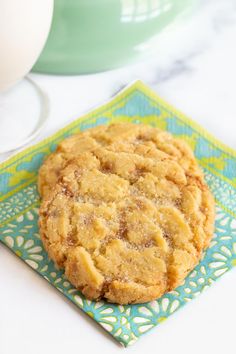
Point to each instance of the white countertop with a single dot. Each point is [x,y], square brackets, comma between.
[194,69]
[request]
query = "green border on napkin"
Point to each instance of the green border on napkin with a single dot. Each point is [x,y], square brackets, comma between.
[19,202]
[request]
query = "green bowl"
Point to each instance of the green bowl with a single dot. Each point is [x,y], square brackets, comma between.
[94,35]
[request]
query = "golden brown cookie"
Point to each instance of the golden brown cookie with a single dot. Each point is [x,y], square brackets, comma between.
[129,219]
[139,139]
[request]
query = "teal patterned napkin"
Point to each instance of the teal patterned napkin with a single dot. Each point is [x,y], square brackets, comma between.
[20,202]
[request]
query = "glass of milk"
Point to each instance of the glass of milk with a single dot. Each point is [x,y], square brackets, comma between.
[24,27]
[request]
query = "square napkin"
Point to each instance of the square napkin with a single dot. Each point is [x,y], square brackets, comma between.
[19,203]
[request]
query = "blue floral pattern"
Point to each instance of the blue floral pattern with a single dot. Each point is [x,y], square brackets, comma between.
[20,202]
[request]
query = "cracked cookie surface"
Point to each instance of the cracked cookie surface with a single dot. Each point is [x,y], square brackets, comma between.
[140,139]
[129,217]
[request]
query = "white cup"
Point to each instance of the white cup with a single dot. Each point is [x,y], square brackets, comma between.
[24,27]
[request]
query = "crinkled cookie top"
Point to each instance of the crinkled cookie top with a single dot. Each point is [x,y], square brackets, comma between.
[126,213]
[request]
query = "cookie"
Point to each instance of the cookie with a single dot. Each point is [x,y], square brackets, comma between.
[129,219]
[139,139]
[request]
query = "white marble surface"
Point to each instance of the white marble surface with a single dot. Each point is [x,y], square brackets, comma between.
[194,69]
